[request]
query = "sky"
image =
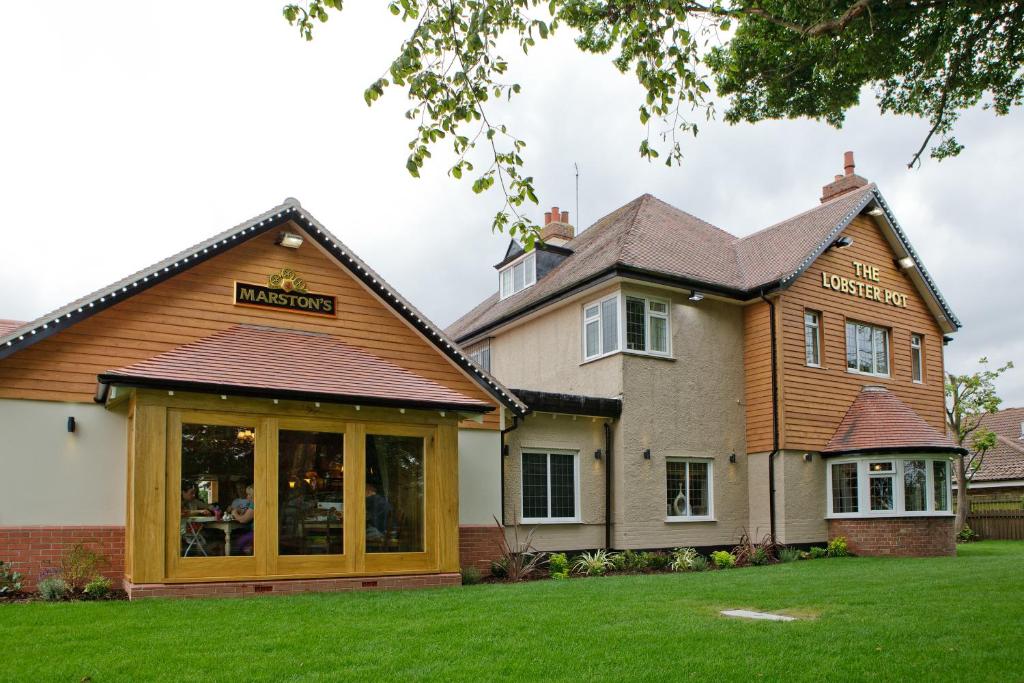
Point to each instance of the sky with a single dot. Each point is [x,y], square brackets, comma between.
[131,130]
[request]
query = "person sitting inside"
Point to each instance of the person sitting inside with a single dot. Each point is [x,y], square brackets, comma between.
[243,511]
[377,511]
[191,504]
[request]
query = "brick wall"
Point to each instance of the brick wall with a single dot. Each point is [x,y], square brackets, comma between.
[479,546]
[240,589]
[33,549]
[897,536]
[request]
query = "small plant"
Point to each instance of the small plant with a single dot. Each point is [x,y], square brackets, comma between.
[699,564]
[592,564]
[470,577]
[558,563]
[683,559]
[519,558]
[499,569]
[756,553]
[760,557]
[79,566]
[837,547]
[53,588]
[966,535]
[817,552]
[657,560]
[618,561]
[723,559]
[789,554]
[10,580]
[99,587]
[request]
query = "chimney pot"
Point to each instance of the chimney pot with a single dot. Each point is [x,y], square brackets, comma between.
[565,216]
[547,217]
[848,165]
[555,214]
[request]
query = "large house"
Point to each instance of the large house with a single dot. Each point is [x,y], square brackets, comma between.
[263,412]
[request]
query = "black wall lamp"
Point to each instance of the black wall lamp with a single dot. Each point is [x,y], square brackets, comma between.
[72,425]
[504,450]
[597,454]
[808,457]
[647,454]
[732,457]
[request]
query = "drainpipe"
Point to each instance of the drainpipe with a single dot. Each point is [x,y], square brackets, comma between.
[607,486]
[503,454]
[775,417]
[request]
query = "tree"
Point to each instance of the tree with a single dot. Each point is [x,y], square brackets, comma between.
[968,399]
[927,58]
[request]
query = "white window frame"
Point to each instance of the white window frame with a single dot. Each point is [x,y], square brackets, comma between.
[575,519]
[899,495]
[888,352]
[816,326]
[648,316]
[528,262]
[478,357]
[710,517]
[599,318]
[917,358]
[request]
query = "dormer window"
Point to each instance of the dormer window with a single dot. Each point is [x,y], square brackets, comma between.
[518,275]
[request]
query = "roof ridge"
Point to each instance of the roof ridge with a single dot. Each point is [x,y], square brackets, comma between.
[1010,442]
[624,236]
[833,200]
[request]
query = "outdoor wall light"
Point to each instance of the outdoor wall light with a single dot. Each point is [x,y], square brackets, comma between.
[808,457]
[290,240]
[597,454]
[504,450]
[72,425]
[877,211]
[906,263]
[695,295]
[842,242]
[647,454]
[732,457]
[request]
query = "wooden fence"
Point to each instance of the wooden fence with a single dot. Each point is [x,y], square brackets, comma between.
[997,525]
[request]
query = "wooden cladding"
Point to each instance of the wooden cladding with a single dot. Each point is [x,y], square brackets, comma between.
[813,400]
[199,302]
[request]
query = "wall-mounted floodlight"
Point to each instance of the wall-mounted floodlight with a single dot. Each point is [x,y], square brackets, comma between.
[876,211]
[842,243]
[695,295]
[906,263]
[290,240]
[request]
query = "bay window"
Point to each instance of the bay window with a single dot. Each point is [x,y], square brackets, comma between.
[601,327]
[646,326]
[518,276]
[867,349]
[550,485]
[887,487]
[688,489]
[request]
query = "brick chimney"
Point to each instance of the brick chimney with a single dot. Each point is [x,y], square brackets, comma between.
[557,230]
[843,183]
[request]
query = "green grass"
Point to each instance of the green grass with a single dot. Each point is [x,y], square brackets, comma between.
[880,619]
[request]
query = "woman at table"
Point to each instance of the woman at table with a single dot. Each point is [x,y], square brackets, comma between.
[191,504]
[243,511]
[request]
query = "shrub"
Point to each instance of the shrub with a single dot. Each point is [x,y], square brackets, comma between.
[79,566]
[635,561]
[657,560]
[470,577]
[558,563]
[53,588]
[966,535]
[519,558]
[789,554]
[592,564]
[499,569]
[817,552]
[723,559]
[837,547]
[699,564]
[10,580]
[759,557]
[757,553]
[618,561]
[99,587]
[682,559]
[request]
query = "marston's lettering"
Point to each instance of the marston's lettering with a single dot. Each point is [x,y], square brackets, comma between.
[306,302]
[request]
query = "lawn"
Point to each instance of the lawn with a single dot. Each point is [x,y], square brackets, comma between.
[880,619]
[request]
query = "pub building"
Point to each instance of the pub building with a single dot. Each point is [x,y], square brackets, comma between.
[263,413]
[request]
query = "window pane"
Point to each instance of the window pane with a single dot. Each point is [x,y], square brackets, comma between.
[676,488]
[865,348]
[535,485]
[593,330]
[563,485]
[811,338]
[881,493]
[531,269]
[915,486]
[485,359]
[518,276]
[881,351]
[591,312]
[657,307]
[915,358]
[311,493]
[698,488]
[844,487]
[506,282]
[394,494]
[217,507]
[635,332]
[659,335]
[940,482]
[610,325]
[851,346]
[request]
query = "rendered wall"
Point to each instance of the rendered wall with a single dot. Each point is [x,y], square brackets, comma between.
[800,498]
[54,478]
[479,476]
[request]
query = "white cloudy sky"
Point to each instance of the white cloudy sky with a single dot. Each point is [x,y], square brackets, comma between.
[130,130]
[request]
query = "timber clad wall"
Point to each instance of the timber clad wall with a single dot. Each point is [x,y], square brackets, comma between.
[199,302]
[757,359]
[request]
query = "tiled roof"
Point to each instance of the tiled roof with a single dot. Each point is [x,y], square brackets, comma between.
[1005,460]
[649,237]
[268,361]
[8,326]
[878,421]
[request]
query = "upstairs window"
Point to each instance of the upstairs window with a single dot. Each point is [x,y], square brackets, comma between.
[482,357]
[916,358]
[601,327]
[812,338]
[867,349]
[518,276]
[647,327]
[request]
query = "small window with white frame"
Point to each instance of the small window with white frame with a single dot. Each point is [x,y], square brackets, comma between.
[812,338]
[867,349]
[647,325]
[917,358]
[904,487]
[550,486]
[688,490]
[482,357]
[601,327]
[518,275]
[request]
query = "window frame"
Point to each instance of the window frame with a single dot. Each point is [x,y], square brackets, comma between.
[874,343]
[917,358]
[478,357]
[897,474]
[710,462]
[599,319]
[529,275]
[817,337]
[649,315]
[621,298]
[575,519]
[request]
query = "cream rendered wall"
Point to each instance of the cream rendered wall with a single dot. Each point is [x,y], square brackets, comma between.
[52,477]
[479,476]
[759,523]
[560,432]
[800,498]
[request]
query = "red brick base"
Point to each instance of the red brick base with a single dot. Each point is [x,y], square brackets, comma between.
[897,536]
[34,549]
[240,589]
[479,545]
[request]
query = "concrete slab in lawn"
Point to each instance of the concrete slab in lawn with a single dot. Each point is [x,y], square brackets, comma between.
[747,614]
